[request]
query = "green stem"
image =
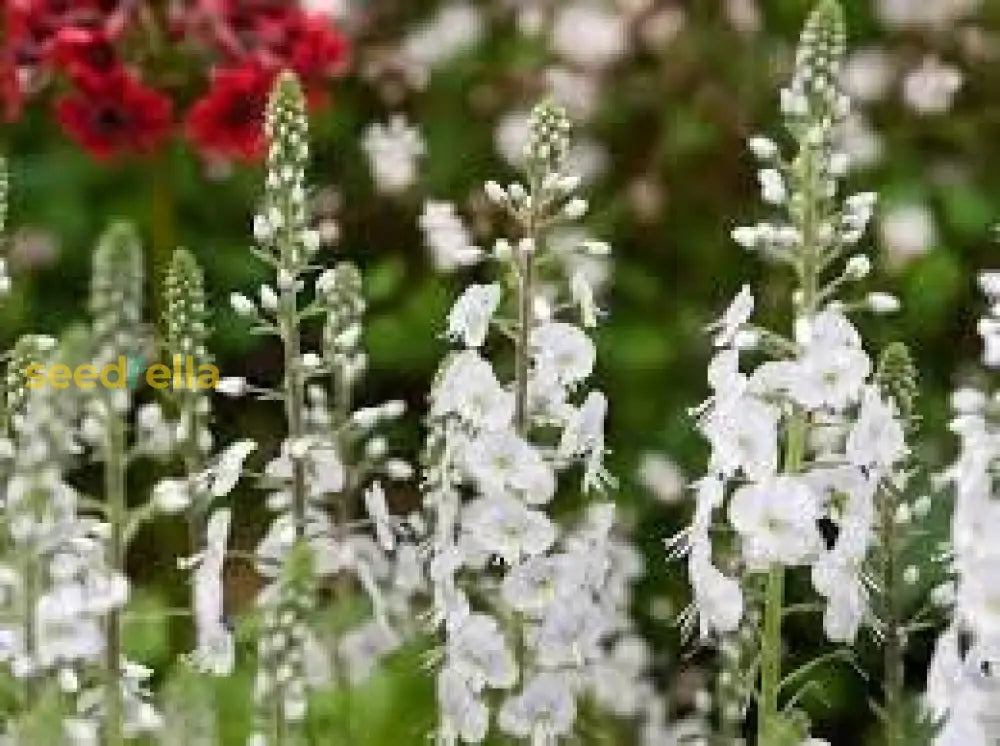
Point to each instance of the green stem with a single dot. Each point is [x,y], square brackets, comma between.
[893,652]
[294,402]
[522,354]
[114,466]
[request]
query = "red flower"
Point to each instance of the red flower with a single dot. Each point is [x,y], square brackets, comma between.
[85,53]
[228,121]
[115,114]
[318,50]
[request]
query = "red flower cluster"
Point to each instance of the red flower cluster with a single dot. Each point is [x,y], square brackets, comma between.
[110,110]
[257,39]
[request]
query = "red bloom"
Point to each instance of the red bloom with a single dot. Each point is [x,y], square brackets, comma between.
[318,50]
[84,53]
[115,114]
[228,121]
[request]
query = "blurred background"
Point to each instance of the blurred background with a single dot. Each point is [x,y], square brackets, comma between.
[149,111]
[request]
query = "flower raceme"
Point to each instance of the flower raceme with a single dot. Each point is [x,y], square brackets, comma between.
[529,606]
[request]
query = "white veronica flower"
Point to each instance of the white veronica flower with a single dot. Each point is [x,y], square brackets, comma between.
[468,388]
[479,651]
[504,526]
[378,511]
[171,495]
[743,433]
[537,583]
[583,436]
[832,368]
[734,319]
[717,597]
[393,152]
[462,714]
[448,238]
[931,88]
[229,466]
[877,439]
[215,650]
[569,634]
[469,320]
[589,35]
[455,28]
[564,350]
[908,230]
[504,464]
[777,522]
[544,710]
[847,601]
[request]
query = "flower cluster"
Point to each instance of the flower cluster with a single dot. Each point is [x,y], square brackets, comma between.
[528,606]
[330,463]
[111,109]
[800,444]
[961,686]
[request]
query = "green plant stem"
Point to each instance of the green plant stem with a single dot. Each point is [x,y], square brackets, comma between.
[525,312]
[522,353]
[294,402]
[114,466]
[893,650]
[810,267]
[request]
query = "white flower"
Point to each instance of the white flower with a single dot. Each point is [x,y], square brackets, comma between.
[931,88]
[65,631]
[456,27]
[763,148]
[569,634]
[583,436]
[734,319]
[588,35]
[882,303]
[535,584]
[242,305]
[447,237]
[877,439]
[378,511]
[393,152]
[544,710]
[468,388]
[564,350]
[908,231]
[717,597]
[504,526]
[833,367]
[503,464]
[583,296]
[171,495]
[838,579]
[743,433]
[868,74]
[478,649]
[661,476]
[231,386]
[226,472]
[215,647]
[777,521]
[772,186]
[462,713]
[469,320]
